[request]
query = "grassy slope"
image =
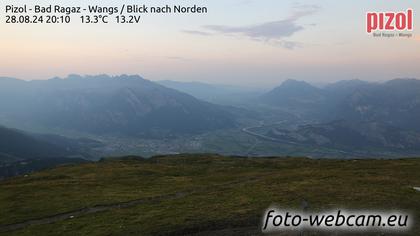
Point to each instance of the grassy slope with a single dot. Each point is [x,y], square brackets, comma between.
[221,192]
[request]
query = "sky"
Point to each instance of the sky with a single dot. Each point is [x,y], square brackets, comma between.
[240,42]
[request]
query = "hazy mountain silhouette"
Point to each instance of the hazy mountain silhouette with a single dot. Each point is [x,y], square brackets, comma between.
[219,94]
[297,97]
[395,103]
[128,105]
[353,136]
[17,145]
[292,93]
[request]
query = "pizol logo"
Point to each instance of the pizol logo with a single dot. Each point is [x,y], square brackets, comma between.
[389,21]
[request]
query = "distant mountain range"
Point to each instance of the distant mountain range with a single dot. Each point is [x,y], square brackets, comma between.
[127,105]
[351,115]
[297,97]
[131,114]
[354,136]
[219,94]
[294,93]
[395,103]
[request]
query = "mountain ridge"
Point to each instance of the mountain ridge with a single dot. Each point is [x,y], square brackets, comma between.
[395,102]
[123,104]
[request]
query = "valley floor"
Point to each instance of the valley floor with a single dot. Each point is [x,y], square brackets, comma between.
[198,194]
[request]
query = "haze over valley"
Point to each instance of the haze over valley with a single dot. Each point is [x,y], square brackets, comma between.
[101,116]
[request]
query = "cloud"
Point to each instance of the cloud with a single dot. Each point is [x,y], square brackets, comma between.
[196,32]
[288,44]
[273,32]
[268,30]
